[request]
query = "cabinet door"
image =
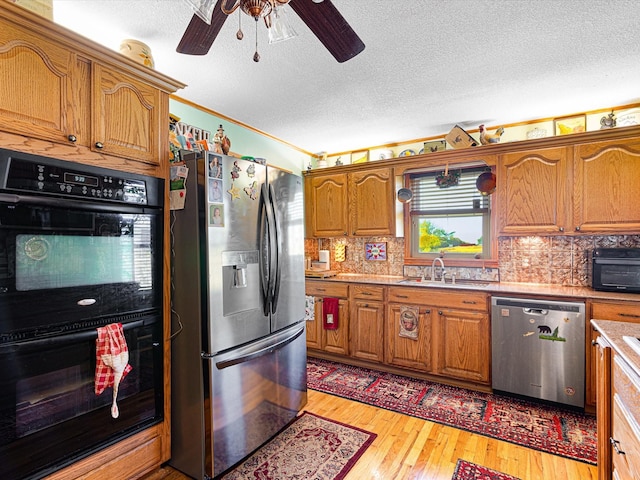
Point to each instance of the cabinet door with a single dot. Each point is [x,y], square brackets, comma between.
[607,179]
[602,356]
[618,311]
[366,325]
[337,341]
[463,345]
[533,188]
[125,117]
[41,83]
[404,351]
[372,202]
[314,327]
[327,206]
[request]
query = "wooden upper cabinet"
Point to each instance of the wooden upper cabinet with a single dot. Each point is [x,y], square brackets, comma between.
[327,204]
[40,82]
[607,181]
[371,202]
[125,119]
[67,97]
[533,191]
[357,203]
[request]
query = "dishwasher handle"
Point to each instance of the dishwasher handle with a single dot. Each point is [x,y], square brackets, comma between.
[535,311]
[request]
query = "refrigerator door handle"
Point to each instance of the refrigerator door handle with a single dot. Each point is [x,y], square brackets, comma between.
[258,349]
[264,248]
[277,250]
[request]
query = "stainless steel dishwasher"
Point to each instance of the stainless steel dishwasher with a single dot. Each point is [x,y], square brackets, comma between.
[538,349]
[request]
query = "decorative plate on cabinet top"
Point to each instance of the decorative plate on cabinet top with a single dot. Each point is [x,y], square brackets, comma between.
[407,153]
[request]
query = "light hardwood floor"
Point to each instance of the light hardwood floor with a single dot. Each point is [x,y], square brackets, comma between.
[410,448]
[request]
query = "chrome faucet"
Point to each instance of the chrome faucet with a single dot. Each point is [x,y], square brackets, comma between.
[433,269]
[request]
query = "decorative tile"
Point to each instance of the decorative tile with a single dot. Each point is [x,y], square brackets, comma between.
[610,241]
[629,241]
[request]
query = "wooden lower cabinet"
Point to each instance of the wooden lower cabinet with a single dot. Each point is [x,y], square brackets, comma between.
[319,338]
[366,322]
[604,310]
[464,344]
[618,410]
[453,333]
[402,351]
[602,358]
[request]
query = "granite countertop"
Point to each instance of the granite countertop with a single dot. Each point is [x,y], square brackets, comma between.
[613,332]
[494,288]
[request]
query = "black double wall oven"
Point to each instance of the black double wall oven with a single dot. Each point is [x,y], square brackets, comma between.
[80,248]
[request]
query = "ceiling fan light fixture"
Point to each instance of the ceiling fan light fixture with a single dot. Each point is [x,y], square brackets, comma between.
[202,8]
[256,8]
[278,25]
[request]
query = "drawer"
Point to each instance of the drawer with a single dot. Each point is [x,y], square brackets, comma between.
[622,312]
[464,300]
[627,386]
[627,439]
[327,289]
[367,292]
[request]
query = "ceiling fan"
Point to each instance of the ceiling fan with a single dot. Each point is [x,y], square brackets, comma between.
[321,16]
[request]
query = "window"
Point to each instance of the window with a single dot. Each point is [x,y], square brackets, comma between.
[448,215]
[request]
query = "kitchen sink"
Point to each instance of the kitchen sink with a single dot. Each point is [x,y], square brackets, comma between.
[459,283]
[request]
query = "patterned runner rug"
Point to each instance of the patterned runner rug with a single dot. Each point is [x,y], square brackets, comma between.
[547,428]
[310,447]
[470,471]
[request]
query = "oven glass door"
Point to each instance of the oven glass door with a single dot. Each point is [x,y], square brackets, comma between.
[50,415]
[73,260]
[616,275]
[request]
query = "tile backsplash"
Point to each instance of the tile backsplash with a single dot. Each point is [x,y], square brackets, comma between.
[558,260]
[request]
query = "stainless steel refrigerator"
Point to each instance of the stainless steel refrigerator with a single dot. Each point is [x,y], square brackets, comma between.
[239,341]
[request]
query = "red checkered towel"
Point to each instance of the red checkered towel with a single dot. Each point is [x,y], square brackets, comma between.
[112,357]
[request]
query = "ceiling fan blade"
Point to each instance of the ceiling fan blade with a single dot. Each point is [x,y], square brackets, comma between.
[326,23]
[199,35]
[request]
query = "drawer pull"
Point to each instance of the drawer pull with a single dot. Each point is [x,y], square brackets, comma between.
[615,444]
[402,296]
[632,315]
[471,302]
[366,293]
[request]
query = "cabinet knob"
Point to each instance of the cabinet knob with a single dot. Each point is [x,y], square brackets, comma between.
[594,343]
[577,229]
[439,312]
[427,310]
[561,229]
[345,233]
[72,138]
[99,145]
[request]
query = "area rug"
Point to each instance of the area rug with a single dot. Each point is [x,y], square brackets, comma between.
[470,471]
[312,447]
[550,429]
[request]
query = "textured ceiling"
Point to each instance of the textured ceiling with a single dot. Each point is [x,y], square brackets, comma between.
[427,65]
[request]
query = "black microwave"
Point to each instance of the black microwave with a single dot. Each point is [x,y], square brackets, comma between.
[616,269]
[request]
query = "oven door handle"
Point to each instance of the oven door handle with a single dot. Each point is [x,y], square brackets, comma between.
[60,339]
[96,205]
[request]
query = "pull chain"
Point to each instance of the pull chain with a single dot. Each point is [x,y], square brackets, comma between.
[256,56]
[239,34]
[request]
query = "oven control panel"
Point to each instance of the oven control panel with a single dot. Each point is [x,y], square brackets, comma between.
[71,180]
